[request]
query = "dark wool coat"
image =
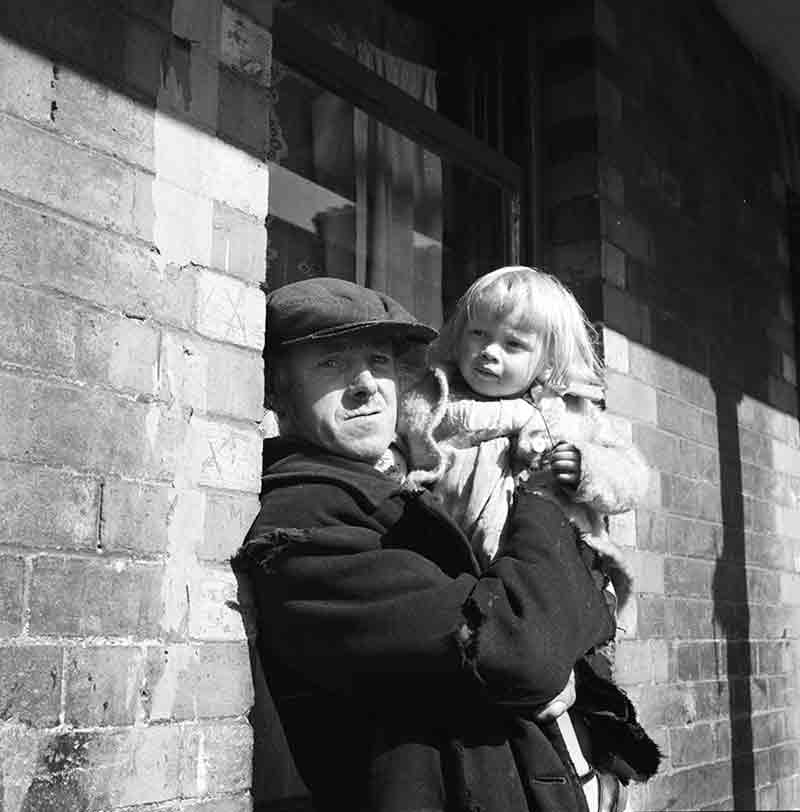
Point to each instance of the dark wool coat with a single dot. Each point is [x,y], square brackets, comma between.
[404,677]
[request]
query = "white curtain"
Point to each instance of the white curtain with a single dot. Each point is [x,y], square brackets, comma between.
[390,238]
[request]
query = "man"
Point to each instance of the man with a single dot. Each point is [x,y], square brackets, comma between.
[405,679]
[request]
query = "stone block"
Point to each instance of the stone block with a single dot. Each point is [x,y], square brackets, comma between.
[243,803]
[207,376]
[67,178]
[41,250]
[613,264]
[119,351]
[572,99]
[103,686]
[244,114]
[626,314]
[197,21]
[100,116]
[230,311]
[688,577]
[30,685]
[689,537]
[633,662]
[12,583]
[213,601]
[605,23]
[692,619]
[245,46]
[235,382]
[616,351]
[575,220]
[632,398]
[611,183]
[140,68]
[27,77]
[216,758]
[660,448]
[622,528]
[651,617]
[655,369]
[699,462]
[187,84]
[201,681]
[41,507]
[238,244]
[78,597]
[222,456]
[692,745]
[90,430]
[182,225]
[648,571]
[135,517]
[574,178]
[37,330]
[651,530]
[203,165]
[679,417]
[228,518]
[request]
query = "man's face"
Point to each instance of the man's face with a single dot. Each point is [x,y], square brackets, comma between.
[342,396]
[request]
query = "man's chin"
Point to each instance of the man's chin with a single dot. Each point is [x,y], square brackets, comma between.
[367,449]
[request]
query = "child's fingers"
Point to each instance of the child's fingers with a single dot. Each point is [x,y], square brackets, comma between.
[565,464]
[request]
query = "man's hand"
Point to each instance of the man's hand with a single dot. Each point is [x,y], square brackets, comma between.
[559,704]
[564,463]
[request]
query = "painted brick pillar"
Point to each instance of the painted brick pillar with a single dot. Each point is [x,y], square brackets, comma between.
[132,246]
[666,177]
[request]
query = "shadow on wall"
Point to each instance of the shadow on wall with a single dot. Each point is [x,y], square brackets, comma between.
[726,335]
[731,601]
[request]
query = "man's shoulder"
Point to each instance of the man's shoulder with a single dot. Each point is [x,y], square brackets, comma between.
[308,475]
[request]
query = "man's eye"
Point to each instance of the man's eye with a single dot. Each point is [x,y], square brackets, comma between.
[329,363]
[381,360]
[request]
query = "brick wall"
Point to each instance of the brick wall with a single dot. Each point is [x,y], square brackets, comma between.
[666,182]
[132,246]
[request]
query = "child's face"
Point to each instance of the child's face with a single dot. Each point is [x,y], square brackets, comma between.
[497,359]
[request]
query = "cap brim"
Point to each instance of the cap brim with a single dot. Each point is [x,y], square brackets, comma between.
[396,330]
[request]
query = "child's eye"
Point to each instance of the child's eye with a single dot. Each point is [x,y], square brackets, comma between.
[477,332]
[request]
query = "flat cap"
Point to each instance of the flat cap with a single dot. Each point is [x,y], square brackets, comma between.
[327,307]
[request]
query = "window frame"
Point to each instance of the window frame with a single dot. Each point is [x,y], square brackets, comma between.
[334,70]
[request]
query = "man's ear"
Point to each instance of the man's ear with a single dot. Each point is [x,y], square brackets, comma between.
[277,387]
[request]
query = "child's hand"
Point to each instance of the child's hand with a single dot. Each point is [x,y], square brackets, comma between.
[564,463]
[559,704]
[531,443]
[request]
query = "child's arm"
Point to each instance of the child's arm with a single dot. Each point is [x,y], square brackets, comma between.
[432,422]
[469,422]
[614,474]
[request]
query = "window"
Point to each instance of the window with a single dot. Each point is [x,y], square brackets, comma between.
[397,154]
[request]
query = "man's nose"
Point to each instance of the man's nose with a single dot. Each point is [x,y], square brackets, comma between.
[363,383]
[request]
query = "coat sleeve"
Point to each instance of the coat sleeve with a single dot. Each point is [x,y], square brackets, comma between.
[344,610]
[615,474]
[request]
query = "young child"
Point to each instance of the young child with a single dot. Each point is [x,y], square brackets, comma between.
[514,392]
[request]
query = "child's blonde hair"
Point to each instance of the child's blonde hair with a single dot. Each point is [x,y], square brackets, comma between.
[537,302]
